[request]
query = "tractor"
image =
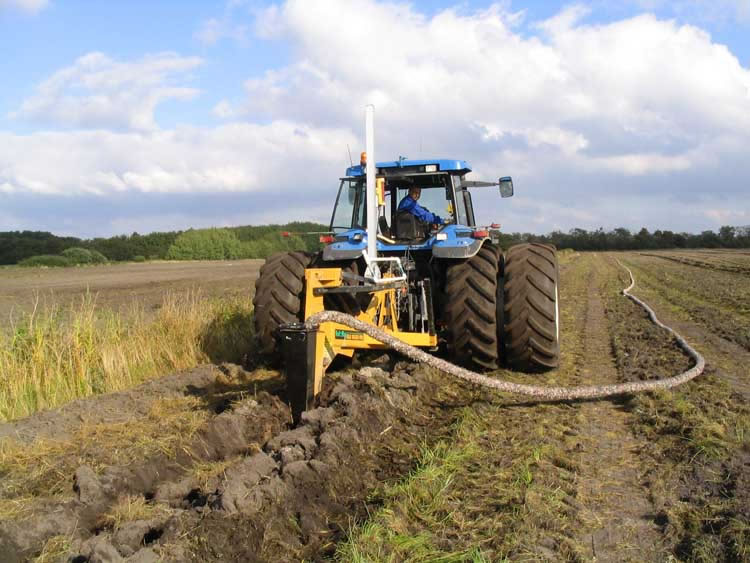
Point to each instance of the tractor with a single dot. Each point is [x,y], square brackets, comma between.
[446,287]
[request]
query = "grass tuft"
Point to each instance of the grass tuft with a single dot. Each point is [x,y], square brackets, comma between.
[55,548]
[130,509]
[51,357]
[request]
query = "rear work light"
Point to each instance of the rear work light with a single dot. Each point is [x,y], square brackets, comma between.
[480,234]
[326,239]
[430,168]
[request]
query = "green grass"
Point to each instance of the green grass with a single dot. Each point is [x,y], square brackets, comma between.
[51,357]
[418,507]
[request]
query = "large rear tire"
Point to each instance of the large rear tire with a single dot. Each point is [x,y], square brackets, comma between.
[470,311]
[531,316]
[279,298]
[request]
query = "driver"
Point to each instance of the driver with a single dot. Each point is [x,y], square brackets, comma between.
[409,203]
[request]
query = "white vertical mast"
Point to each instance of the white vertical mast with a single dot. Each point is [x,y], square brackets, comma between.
[372,198]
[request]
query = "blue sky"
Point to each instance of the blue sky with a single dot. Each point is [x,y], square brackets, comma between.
[120,117]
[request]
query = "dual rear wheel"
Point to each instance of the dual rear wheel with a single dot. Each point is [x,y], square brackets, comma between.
[504,309]
[497,308]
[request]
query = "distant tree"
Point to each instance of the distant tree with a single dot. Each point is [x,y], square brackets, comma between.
[205,244]
[77,255]
[726,236]
[643,239]
[48,260]
[97,257]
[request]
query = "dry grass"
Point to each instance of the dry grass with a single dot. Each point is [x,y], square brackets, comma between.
[55,548]
[131,508]
[44,467]
[206,471]
[50,358]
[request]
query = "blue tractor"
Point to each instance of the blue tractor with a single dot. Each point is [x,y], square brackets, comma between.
[485,306]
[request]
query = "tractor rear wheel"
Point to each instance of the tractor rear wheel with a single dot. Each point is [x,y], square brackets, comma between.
[470,311]
[279,297]
[531,325]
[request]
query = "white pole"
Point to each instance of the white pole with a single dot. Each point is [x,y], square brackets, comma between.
[372,198]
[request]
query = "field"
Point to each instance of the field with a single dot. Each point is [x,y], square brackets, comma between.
[116,286]
[399,462]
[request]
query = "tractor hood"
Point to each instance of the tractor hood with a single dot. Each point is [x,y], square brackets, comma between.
[452,241]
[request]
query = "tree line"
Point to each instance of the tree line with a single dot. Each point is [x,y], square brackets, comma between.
[193,244]
[262,241]
[623,239]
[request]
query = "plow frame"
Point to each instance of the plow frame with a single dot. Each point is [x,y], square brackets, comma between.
[309,352]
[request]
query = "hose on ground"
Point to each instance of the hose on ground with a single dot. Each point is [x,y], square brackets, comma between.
[537,391]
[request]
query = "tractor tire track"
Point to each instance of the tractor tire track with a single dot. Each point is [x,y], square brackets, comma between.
[617,514]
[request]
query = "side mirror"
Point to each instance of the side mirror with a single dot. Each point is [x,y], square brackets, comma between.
[506,186]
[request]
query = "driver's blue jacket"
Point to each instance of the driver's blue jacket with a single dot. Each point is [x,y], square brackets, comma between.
[409,204]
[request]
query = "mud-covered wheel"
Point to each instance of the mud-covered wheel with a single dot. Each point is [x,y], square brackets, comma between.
[470,311]
[279,297]
[531,311]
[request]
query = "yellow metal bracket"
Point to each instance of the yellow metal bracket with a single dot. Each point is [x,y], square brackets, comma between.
[305,374]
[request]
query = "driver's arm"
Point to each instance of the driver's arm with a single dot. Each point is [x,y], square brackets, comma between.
[425,215]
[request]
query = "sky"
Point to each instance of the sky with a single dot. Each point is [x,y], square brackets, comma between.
[121,117]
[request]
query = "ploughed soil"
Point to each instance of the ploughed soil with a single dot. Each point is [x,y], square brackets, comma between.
[240,484]
[116,286]
[206,465]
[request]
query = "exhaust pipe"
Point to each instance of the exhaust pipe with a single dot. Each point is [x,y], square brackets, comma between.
[371,197]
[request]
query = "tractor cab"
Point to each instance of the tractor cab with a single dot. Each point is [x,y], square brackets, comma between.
[442,190]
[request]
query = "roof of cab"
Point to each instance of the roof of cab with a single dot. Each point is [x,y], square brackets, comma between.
[444,165]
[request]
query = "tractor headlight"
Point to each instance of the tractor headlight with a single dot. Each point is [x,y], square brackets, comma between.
[430,168]
[441,236]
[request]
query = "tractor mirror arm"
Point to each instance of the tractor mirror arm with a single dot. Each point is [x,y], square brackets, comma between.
[505,183]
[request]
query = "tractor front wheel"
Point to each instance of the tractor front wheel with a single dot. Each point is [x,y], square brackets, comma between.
[279,298]
[531,314]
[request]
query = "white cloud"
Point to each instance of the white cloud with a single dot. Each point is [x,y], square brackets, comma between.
[728,216]
[99,92]
[238,157]
[214,30]
[28,6]
[225,26]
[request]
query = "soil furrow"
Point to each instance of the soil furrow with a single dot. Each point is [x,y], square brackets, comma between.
[617,514]
[124,406]
[504,486]
[726,359]
[696,436]
[244,487]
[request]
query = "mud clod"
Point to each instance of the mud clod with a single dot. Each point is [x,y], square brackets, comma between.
[308,482]
[87,486]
